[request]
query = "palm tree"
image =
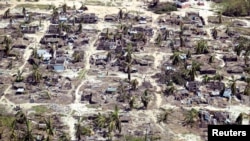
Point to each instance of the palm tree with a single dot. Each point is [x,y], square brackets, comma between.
[131,102]
[201,47]
[78,56]
[100,121]
[64,137]
[239,119]
[145,99]
[134,84]
[55,13]
[47,94]
[220,17]
[181,35]
[7,13]
[7,41]
[218,77]
[83,7]
[20,117]
[64,7]
[129,61]
[232,83]
[10,65]
[109,56]
[192,71]
[37,75]
[29,18]
[87,131]
[166,34]
[80,28]
[189,55]
[191,117]
[28,132]
[246,57]
[247,90]
[164,116]
[211,59]
[238,49]
[215,33]
[11,21]
[49,128]
[34,53]
[78,130]
[120,14]
[19,76]
[170,90]
[205,79]
[114,122]
[24,11]
[158,39]
[176,59]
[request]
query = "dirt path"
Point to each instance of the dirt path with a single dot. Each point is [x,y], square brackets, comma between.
[77,107]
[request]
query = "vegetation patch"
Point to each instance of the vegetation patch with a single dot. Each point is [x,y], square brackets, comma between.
[94,2]
[6,120]
[34,6]
[40,109]
[133,138]
[163,8]
[235,7]
[243,31]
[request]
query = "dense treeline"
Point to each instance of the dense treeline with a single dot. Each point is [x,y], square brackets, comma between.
[235,7]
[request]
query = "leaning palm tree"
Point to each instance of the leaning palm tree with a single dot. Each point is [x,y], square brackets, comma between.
[145,99]
[19,76]
[191,117]
[176,58]
[239,119]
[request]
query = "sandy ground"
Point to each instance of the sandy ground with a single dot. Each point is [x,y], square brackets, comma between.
[78,108]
